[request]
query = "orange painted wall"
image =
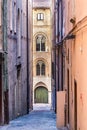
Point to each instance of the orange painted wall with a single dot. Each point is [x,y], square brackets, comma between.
[77,61]
[80,74]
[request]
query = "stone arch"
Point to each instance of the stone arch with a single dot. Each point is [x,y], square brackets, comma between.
[40,58]
[44,34]
[40,84]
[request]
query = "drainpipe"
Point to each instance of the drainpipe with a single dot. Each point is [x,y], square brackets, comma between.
[27,32]
[62,45]
[55,20]
[55,82]
[5,66]
[60,56]
[58,48]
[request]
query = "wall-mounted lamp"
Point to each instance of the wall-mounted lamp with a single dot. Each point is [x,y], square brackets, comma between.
[73,20]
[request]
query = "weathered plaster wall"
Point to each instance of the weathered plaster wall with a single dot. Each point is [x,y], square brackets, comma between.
[75,62]
[17,93]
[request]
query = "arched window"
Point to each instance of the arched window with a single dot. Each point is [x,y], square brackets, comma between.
[43,69]
[40,68]
[37,69]
[40,43]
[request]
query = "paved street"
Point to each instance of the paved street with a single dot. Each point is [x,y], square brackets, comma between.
[41,118]
[41,106]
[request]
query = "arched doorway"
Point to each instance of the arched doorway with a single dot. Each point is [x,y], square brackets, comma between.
[41,95]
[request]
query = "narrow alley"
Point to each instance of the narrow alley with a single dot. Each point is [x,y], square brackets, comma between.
[43,65]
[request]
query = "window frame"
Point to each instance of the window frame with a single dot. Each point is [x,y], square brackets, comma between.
[41,46]
[42,68]
[40,16]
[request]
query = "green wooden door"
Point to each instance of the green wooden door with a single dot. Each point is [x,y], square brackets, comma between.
[41,95]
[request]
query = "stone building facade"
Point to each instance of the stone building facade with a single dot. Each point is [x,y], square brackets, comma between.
[16,61]
[42,52]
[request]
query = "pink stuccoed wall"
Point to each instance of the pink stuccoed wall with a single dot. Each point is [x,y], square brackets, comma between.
[77,65]
[60,109]
[80,74]
[80,9]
